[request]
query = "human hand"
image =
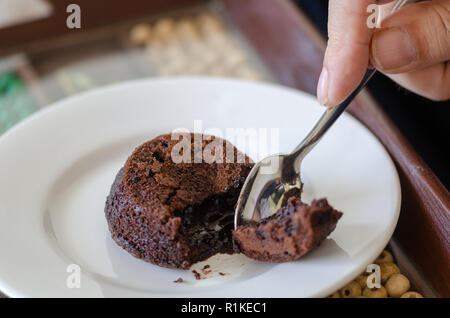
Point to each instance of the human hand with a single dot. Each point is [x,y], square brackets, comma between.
[412,47]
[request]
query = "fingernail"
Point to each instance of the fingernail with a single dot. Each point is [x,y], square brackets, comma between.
[322,87]
[392,49]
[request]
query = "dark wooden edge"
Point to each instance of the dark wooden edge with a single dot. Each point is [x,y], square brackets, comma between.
[94,14]
[293,50]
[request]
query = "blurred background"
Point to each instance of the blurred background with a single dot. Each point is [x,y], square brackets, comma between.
[43,61]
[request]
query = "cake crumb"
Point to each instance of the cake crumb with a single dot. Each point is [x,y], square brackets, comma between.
[205,269]
[222,274]
[179,280]
[197,274]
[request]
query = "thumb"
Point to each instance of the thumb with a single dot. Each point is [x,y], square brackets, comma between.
[347,54]
[414,37]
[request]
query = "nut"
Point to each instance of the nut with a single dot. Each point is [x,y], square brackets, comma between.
[352,290]
[186,30]
[362,280]
[375,292]
[387,270]
[384,257]
[140,34]
[164,29]
[411,294]
[209,23]
[397,285]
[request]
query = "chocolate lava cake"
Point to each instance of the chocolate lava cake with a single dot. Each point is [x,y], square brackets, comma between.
[175,214]
[288,234]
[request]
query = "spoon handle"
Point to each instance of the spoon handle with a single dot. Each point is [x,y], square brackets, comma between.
[328,118]
[332,113]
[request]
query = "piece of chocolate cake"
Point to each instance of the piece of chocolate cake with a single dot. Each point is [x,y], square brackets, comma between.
[173,213]
[288,234]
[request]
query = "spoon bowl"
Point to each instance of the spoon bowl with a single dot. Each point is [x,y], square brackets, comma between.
[269,185]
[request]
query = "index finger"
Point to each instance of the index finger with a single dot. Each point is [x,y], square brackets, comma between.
[347,53]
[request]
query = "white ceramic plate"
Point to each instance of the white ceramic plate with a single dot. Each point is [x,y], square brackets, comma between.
[56,169]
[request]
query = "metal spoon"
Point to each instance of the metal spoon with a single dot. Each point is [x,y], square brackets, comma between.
[276,178]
